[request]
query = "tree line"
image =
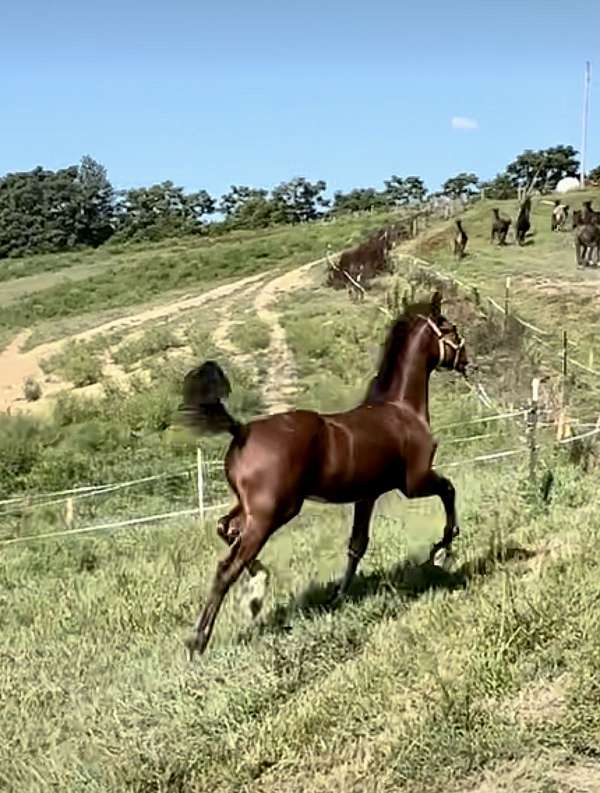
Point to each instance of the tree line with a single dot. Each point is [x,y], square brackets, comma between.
[44,211]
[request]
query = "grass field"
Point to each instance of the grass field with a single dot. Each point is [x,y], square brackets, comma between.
[481,678]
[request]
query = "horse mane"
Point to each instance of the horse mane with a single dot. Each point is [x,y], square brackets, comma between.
[397,336]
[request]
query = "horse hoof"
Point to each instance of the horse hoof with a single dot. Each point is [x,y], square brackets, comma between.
[190,646]
[195,643]
[336,599]
[442,558]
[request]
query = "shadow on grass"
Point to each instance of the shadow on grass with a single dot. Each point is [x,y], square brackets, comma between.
[408,579]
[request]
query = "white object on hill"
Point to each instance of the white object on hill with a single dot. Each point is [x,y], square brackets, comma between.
[567,184]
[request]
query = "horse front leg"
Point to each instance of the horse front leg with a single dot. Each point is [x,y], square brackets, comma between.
[433,484]
[359,540]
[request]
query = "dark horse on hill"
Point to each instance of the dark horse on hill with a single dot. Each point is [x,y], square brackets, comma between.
[275,463]
[523,223]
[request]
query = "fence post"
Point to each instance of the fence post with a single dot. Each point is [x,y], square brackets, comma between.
[532,420]
[565,365]
[506,303]
[200,483]
[563,427]
[69,512]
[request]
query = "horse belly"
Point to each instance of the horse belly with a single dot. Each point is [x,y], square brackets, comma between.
[364,482]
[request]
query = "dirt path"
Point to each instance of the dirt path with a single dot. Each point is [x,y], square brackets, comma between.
[227,322]
[16,365]
[280,383]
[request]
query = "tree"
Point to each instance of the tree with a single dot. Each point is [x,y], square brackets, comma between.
[298,200]
[96,217]
[233,201]
[38,211]
[404,191]
[361,199]
[463,185]
[160,211]
[395,190]
[499,188]
[543,168]
[247,207]
[594,175]
[258,213]
[415,189]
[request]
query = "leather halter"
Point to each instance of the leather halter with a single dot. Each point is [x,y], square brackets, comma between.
[443,340]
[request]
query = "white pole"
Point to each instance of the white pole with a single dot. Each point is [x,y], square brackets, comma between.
[200,483]
[586,109]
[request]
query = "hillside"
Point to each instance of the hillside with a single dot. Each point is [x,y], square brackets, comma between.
[481,676]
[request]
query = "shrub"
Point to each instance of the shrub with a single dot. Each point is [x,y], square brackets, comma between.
[81,366]
[32,390]
[152,342]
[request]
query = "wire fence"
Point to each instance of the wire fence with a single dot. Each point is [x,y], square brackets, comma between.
[211,492]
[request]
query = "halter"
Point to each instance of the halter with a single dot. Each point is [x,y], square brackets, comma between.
[442,340]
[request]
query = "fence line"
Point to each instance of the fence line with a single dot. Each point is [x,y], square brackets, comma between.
[481,420]
[482,458]
[574,438]
[95,489]
[103,526]
[451,441]
[494,456]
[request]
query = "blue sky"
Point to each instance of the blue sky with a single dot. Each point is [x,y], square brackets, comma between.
[256,91]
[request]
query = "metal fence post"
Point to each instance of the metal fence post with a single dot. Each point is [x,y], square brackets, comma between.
[200,474]
[532,421]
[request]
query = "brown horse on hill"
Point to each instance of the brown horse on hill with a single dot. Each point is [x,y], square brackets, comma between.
[275,463]
[460,240]
[500,227]
[523,223]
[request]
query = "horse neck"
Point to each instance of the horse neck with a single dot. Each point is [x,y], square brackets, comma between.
[410,381]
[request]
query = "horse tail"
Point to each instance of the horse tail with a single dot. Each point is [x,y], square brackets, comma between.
[202,409]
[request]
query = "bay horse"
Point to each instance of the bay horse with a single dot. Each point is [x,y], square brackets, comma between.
[275,463]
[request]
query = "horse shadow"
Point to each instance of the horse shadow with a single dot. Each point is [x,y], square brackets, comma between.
[407,579]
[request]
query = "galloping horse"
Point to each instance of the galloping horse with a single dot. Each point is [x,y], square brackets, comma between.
[275,463]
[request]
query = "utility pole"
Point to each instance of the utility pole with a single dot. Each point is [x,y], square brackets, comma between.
[584,126]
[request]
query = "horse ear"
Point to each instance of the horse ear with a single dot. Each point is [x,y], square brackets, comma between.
[436,304]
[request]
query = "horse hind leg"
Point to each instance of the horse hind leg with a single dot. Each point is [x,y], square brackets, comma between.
[242,552]
[229,529]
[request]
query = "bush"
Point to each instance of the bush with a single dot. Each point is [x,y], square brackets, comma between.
[81,367]
[79,363]
[152,342]
[32,390]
